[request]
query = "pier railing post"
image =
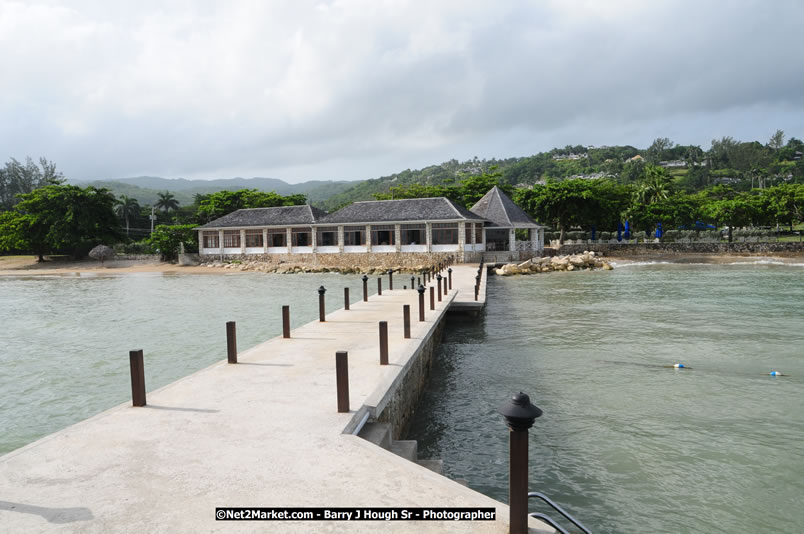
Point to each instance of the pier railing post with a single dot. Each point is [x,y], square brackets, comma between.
[390,279]
[379,286]
[286,321]
[231,342]
[137,377]
[421,302]
[477,290]
[322,313]
[519,416]
[345,298]
[406,320]
[445,286]
[449,273]
[438,280]
[342,380]
[365,288]
[412,282]
[432,298]
[383,343]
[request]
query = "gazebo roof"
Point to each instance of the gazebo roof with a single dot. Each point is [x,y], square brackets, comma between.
[497,207]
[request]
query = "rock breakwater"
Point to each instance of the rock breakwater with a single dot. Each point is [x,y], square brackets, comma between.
[575,262]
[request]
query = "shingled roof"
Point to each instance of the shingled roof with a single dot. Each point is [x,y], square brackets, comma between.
[409,209]
[277,216]
[497,207]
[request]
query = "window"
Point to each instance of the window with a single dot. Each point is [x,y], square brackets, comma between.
[445,233]
[231,238]
[383,234]
[301,237]
[211,240]
[414,234]
[254,238]
[467,236]
[327,236]
[479,233]
[354,236]
[277,237]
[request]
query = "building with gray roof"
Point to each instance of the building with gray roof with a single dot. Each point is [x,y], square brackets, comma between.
[504,220]
[417,225]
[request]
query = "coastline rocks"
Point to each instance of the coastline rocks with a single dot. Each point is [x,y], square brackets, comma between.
[295,268]
[575,262]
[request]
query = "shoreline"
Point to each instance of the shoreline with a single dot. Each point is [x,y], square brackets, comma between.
[27,265]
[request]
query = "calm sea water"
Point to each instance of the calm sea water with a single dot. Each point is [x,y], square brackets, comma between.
[626,444]
[64,341]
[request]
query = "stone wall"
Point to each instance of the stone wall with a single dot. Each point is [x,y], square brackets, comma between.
[359,262]
[644,249]
[405,396]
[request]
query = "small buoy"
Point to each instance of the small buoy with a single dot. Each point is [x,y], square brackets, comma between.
[679,366]
[775,373]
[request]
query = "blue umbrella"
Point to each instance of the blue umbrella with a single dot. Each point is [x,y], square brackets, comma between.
[594,231]
[619,231]
[627,230]
[659,230]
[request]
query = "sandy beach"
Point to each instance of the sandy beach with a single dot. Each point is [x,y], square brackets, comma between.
[27,265]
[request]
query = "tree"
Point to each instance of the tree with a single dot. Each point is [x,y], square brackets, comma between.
[126,208]
[18,179]
[777,140]
[59,218]
[167,202]
[655,186]
[169,239]
[216,205]
[473,188]
[656,151]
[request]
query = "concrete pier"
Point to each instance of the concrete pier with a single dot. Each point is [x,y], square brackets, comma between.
[264,432]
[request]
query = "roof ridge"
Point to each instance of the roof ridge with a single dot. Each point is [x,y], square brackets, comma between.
[395,200]
[452,205]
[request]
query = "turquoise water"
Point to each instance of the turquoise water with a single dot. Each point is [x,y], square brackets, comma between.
[64,341]
[626,444]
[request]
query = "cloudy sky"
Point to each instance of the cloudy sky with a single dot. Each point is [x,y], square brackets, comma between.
[357,89]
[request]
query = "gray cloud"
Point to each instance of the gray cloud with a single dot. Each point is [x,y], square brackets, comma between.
[358,89]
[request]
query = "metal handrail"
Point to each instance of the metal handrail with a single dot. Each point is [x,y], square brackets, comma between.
[560,510]
[549,520]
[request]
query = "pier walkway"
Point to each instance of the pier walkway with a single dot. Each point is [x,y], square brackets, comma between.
[260,433]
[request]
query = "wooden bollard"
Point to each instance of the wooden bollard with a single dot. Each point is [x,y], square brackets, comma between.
[342,380]
[390,279]
[383,343]
[231,342]
[345,298]
[445,286]
[418,280]
[322,312]
[432,298]
[413,282]
[438,283]
[137,378]
[477,289]
[421,303]
[365,288]
[449,274]
[286,321]
[379,286]
[406,320]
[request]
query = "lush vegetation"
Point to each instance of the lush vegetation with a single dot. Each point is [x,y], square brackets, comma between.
[683,187]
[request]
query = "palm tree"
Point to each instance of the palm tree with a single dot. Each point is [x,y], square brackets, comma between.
[167,202]
[655,187]
[126,208]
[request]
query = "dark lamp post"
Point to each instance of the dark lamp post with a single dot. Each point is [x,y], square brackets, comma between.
[519,416]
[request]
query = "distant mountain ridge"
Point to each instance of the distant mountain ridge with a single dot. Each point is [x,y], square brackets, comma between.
[146,189]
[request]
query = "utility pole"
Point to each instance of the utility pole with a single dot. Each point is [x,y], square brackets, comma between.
[153,218]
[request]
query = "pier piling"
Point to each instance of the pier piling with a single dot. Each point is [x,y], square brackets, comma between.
[342,380]
[137,377]
[438,283]
[432,298]
[383,343]
[406,320]
[231,342]
[390,279]
[286,321]
[421,303]
[345,298]
[365,288]
[379,286]
[449,272]
[322,313]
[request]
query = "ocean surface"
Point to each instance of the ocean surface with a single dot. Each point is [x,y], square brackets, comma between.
[64,340]
[627,444]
